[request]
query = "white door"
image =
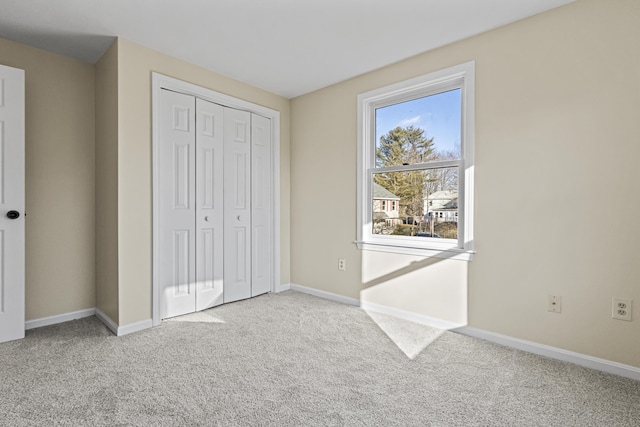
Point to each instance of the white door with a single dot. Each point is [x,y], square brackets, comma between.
[261,205]
[215,208]
[209,210]
[237,204]
[11,203]
[177,228]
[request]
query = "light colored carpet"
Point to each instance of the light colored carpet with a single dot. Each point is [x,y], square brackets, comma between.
[410,337]
[294,360]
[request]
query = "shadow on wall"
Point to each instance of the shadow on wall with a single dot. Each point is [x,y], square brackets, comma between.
[425,296]
[411,267]
[83,46]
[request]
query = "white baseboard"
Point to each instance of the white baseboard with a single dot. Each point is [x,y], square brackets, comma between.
[402,314]
[283,287]
[113,327]
[591,362]
[323,294]
[604,365]
[134,327]
[412,317]
[60,318]
[125,329]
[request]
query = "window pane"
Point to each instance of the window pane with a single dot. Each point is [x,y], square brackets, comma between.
[421,203]
[419,131]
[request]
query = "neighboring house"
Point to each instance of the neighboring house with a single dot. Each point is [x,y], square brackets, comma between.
[443,206]
[386,206]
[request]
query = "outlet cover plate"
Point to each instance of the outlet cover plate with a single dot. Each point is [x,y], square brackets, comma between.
[555,304]
[621,309]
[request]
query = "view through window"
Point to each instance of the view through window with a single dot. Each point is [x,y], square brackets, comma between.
[416,171]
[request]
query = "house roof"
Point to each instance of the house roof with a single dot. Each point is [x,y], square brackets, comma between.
[449,206]
[453,204]
[381,193]
[380,215]
[442,195]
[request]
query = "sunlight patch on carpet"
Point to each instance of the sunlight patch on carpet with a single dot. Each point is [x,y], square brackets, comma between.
[410,337]
[198,317]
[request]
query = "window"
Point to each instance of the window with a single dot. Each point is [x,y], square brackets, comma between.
[415,142]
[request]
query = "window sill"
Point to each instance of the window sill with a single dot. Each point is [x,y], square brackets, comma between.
[450,253]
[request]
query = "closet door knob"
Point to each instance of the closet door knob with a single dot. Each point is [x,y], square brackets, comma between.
[206,218]
[16,214]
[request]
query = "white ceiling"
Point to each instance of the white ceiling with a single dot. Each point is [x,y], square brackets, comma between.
[289,47]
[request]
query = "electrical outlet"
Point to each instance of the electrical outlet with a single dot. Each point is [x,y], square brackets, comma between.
[621,309]
[342,264]
[555,304]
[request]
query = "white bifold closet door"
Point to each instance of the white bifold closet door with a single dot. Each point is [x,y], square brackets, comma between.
[215,204]
[177,242]
[261,205]
[247,205]
[209,218]
[237,205]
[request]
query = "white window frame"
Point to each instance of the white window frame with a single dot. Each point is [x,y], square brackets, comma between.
[460,76]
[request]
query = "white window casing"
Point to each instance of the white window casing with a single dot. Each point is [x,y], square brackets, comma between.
[457,77]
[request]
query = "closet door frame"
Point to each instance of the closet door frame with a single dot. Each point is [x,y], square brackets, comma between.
[159,82]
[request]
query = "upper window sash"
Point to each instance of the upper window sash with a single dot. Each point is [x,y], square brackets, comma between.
[458,77]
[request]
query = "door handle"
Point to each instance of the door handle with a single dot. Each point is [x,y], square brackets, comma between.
[13,214]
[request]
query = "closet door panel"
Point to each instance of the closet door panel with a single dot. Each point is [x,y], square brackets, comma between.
[176,158]
[209,216]
[237,204]
[261,205]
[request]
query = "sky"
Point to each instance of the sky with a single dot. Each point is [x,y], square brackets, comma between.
[438,115]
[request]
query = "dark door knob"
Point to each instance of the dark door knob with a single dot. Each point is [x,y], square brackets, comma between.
[13,214]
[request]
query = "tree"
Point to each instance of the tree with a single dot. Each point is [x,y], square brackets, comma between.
[443,179]
[405,146]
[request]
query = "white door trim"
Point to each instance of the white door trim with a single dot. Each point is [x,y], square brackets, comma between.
[159,82]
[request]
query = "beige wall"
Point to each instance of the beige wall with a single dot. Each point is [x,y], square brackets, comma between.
[134,165]
[556,112]
[557,106]
[429,286]
[88,175]
[59,148]
[106,186]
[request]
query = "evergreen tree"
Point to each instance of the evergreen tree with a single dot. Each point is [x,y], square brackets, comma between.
[405,146]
